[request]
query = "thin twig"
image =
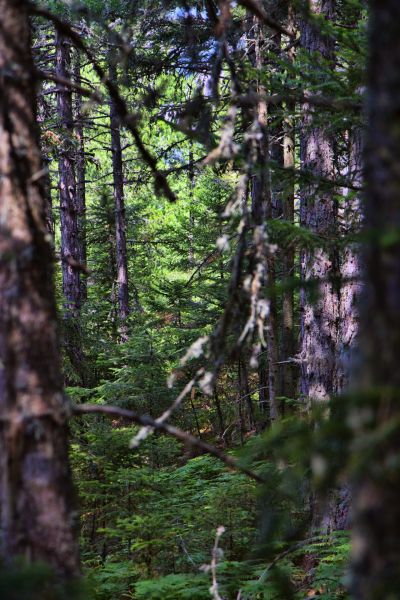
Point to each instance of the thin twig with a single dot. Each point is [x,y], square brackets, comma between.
[216,552]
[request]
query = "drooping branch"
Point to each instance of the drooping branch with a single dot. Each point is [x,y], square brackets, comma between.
[183,436]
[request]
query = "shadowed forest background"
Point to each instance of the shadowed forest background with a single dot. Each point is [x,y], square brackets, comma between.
[199,299]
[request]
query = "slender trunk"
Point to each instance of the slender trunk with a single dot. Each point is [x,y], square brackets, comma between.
[80,176]
[350,267]
[262,209]
[262,383]
[242,426]
[318,213]
[196,420]
[70,252]
[376,492]
[47,193]
[220,415]
[288,259]
[191,204]
[35,482]
[120,226]
[245,393]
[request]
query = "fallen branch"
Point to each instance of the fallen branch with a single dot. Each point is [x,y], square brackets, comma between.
[183,436]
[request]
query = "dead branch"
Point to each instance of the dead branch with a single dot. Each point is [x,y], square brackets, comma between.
[183,436]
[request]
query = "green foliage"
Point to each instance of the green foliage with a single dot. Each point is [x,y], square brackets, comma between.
[22,581]
[149,515]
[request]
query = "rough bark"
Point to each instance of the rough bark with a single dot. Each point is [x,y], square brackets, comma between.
[320,297]
[70,239]
[35,482]
[376,538]
[318,213]
[120,225]
[288,259]
[350,214]
[80,177]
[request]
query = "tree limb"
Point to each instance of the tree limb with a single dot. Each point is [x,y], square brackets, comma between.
[183,436]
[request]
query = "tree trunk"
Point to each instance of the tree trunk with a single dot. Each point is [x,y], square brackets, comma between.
[71,234]
[288,259]
[80,176]
[320,296]
[376,538]
[318,213]
[350,267]
[70,251]
[120,226]
[35,484]
[262,210]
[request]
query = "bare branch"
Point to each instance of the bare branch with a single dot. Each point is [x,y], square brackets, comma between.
[183,436]
[48,76]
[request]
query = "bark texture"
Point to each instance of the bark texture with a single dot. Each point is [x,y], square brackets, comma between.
[288,259]
[350,215]
[120,224]
[80,178]
[71,252]
[318,213]
[376,539]
[35,482]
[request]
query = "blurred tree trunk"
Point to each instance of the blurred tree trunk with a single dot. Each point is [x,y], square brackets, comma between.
[35,483]
[376,538]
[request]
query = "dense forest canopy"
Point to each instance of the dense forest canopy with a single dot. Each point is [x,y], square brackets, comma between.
[199,299]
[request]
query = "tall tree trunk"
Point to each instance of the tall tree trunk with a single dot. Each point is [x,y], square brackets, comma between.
[262,210]
[288,259]
[320,303]
[376,507]
[120,225]
[35,482]
[71,238]
[191,259]
[80,176]
[350,214]
[245,393]
[318,213]
[70,252]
